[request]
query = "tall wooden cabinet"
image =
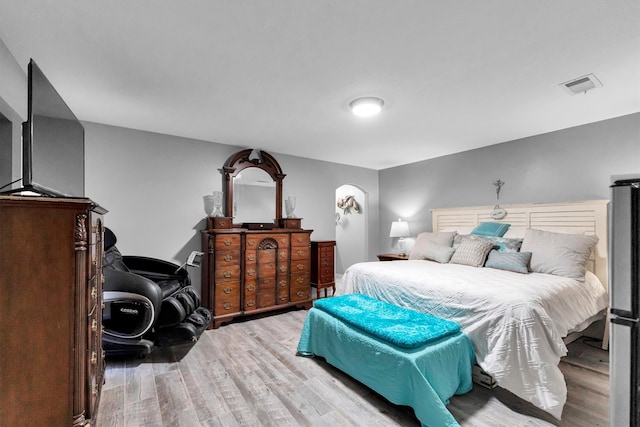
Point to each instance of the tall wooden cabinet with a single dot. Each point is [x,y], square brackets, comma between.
[51,360]
[323,266]
[246,272]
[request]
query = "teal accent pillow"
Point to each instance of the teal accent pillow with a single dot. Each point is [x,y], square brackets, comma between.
[502,244]
[491,229]
[517,262]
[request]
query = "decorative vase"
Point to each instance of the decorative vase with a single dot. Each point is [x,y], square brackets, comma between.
[217,203]
[290,206]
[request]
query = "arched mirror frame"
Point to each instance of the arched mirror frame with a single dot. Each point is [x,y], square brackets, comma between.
[240,161]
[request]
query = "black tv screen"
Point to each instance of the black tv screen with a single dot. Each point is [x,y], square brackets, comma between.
[53,142]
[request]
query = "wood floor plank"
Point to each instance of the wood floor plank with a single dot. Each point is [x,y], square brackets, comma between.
[176,408]
[248,374]
[144,413]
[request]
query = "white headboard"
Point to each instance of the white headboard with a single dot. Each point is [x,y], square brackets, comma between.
[588,217]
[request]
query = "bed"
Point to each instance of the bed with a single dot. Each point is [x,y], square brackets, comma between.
[516,322]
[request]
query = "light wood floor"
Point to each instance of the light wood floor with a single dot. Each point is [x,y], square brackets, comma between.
[247,374]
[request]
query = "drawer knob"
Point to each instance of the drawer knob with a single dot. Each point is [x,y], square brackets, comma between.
[227,242]
[251,242]
[251,272]
[283,240]
[228,258]
[227,274]
[94,292]
[283,298]
[94,357]
[251,257]
[300,280]
[283,283]
[94,389]
[226,306]
[221,223]
[267,281]
[227,290]
[300,252]
[283,269]
[251,303]
[300,266]
[251,288]
[283,255]
[94,325]
[299,293]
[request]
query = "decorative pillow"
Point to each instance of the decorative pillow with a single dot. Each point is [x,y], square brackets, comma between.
[502,244]
[420,246]
[471,252]
[439,253]
[491,229]
[558,253]
[511,261]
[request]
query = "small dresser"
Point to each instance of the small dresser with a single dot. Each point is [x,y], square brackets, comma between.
[323,266]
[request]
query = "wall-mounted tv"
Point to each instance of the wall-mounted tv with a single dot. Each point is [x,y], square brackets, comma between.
[52,142]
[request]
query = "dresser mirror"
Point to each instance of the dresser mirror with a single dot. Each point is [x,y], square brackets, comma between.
[253,188]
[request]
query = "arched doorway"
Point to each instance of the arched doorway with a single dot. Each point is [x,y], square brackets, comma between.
[352,231]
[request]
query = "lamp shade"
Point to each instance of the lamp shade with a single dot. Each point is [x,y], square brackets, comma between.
[399,228]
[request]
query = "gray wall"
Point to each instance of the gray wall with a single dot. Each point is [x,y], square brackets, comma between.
[568,165]
[153,186]
[13,111]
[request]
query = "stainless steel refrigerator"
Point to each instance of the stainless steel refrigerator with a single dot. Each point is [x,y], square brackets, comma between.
[624,292]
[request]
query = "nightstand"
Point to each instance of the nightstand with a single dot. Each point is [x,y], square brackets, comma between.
[322,266]
[393,257]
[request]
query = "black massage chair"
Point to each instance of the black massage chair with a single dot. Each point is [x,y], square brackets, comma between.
[148,302]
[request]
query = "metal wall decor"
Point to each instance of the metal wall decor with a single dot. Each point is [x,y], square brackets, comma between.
[347,204]
[498,212]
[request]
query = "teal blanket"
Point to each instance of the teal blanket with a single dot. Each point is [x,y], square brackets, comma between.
[424,377]
[397,325]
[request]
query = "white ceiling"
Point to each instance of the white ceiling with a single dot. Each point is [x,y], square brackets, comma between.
[278,75]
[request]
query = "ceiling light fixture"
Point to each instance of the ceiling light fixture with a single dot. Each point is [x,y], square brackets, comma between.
[367,106]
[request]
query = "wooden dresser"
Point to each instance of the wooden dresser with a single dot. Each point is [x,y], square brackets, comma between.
[51,360]
[323,266]
[246,272]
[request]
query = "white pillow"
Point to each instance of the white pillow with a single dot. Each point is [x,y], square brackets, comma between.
[558,253]
[439,253]
[444,238]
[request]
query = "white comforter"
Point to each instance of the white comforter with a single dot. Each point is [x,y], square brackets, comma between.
[515,321]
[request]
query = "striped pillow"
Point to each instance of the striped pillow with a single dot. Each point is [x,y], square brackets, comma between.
[517,262]
[471,252]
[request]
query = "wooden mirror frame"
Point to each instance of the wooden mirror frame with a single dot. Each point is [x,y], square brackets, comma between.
[240,161]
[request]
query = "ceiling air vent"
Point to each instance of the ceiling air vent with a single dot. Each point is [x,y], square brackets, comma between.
[581,84]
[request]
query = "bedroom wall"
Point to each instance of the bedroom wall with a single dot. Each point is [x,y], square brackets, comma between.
[153,186]
[13,111]
[567,165]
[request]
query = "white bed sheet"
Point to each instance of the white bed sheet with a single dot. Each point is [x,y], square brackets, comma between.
[515,321]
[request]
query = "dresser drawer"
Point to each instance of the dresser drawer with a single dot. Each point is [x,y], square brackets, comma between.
[226,258]
[299,280]
[300,292]
[227,241]
[300,266]
[227,273]
[326,252]
[300,239]
[227,298]
[326,275]
[300,252]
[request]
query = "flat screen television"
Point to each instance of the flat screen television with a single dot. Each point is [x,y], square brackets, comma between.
[52,142]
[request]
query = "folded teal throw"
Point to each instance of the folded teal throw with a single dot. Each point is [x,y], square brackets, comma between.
[400,326]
